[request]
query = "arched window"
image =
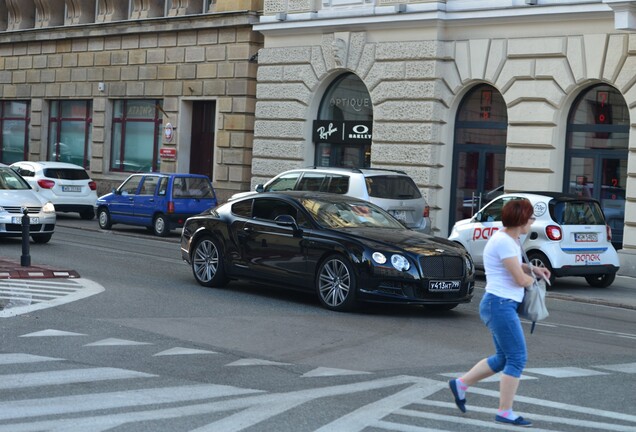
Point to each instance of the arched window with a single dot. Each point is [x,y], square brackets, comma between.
[597,150]
[343,131]
[479,151]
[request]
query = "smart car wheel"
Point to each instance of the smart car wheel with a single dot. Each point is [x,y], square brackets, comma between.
[207,263]
[87,214]
[540,260]
[336,284]
[600,281]
[103,217]
[160,226]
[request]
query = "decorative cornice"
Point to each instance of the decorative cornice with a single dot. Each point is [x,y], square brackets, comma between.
[624,14]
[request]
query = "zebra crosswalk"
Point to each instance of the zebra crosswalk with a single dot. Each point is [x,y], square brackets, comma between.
[45,393]
[21,296]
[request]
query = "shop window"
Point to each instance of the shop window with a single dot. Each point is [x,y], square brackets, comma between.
[136,136]
[343,132]
[14,122]
[70,132]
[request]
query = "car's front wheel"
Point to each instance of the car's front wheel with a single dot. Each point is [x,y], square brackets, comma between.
[103,217]
[41,238]
[160,226]
[540,260]
[207,263]
[601,280]
[336,284]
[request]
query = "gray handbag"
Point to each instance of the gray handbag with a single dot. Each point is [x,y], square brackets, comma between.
[533,306]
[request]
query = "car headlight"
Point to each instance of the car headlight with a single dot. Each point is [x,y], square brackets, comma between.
[400,262]
[470,266]
[378,257]
[48,207]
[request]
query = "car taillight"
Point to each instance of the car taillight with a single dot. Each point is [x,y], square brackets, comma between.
[427,210]
[46,184]
[170,207]
[92,185]
[609,232]
[553,232]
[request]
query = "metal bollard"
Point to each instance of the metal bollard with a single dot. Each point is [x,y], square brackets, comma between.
[25,259]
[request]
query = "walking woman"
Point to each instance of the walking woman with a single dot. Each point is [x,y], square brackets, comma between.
[506,277]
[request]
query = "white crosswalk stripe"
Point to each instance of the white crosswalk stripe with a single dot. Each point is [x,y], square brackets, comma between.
[21,296]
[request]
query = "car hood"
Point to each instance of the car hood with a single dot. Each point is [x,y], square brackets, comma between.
[13,197]
[408,240]
[462,223]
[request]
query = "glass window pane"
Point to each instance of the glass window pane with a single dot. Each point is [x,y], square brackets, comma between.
[139,146]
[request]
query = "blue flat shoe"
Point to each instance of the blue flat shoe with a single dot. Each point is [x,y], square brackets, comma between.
[461,403]
[519,421]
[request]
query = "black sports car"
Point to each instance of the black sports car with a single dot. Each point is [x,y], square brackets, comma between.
[347,250]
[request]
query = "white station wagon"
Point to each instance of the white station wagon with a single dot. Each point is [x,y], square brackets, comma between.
[569,236]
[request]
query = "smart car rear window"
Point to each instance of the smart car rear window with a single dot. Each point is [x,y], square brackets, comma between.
[578,213]
[392,187]
[66,173]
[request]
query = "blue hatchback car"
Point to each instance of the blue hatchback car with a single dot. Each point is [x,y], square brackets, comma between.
[161,202]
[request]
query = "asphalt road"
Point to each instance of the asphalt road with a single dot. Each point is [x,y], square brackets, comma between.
[147,348]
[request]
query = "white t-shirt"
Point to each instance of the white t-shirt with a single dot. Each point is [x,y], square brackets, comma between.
[499,280]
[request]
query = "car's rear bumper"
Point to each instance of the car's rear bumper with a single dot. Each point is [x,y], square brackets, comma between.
[68,208]
[585,270]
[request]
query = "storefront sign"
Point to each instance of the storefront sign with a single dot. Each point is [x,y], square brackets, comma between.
[346,132]
[168,153]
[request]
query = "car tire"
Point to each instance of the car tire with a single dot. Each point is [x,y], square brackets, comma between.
[601,280]
[87,214]
[103,218]
[538,259]
[160,226]
[336,284]
[207,263]
[41,238]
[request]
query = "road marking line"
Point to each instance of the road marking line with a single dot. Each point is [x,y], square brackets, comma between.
[325,372]
[116,400]
[256,362]
[182,351]
[564,372]
[52,332]
[116,342]
[495,378]
[625,367]
[20,358]
[69,376]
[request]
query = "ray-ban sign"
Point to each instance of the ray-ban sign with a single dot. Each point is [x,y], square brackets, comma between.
[336,132]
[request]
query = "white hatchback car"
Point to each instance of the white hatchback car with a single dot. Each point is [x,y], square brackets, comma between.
[67,186]
[393,191]
[569,236]
[15,196]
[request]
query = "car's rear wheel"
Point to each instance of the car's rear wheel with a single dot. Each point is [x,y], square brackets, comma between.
[87,214]
[41,238]
[103,218]
[207,263]
[336,284]
[160,226]
[538,259]
[601,280]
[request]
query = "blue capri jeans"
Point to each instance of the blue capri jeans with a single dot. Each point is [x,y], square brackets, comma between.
[500,316]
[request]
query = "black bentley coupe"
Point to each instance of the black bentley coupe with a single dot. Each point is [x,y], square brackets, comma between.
[345,249]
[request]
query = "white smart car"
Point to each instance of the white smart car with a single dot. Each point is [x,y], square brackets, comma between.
[569,236]
[67,186]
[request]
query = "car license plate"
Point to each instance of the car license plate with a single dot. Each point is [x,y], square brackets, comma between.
[399,215]
[18,220]
[71,188]
[586,237]
[438,285]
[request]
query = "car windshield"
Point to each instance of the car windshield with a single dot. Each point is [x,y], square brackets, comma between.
[578,213]
[9,179]
[349,214]
[392,187]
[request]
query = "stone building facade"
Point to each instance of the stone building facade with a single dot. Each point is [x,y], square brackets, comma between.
[186,64]
[466,95]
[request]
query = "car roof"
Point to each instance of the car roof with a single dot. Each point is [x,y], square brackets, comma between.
[296,195]
[335,170]
[51,164]
[162,174]
[557,196]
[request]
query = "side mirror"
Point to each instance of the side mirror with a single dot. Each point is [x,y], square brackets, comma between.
[478,217]
[260,188]
[287,221]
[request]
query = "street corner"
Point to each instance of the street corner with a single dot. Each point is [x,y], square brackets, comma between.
[11,269]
